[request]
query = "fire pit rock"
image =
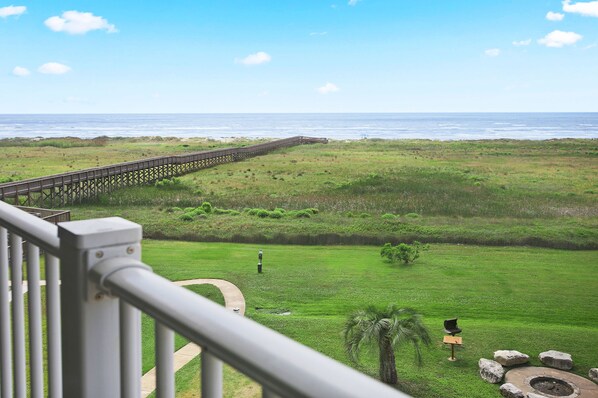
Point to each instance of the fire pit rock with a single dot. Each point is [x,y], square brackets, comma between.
[593,375]
[491,371]
[509,390]
[556,359]
[510,357]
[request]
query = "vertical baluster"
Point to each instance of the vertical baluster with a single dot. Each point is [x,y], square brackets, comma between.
[35,322]
[164,361]
[18,315]
[130,350]
[211,375]
[53,325]
[5,351]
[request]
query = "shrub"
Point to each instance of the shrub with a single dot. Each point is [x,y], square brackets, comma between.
[313,210]
[188,209]
[412,215]
[402,252]
[207,207]
[302,214]
[198,211]
[276,214]
[388,216]
[349,214]
[186,217]
[365,215]
[230,212]
[261,213]
[280,210]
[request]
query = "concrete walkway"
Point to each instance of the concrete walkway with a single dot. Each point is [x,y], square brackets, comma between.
[233,298]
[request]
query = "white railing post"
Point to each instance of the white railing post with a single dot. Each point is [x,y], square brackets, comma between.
[90,319]
[211,375]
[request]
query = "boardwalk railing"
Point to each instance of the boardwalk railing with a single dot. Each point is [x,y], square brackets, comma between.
[51,216]
[60,189]
[93,322]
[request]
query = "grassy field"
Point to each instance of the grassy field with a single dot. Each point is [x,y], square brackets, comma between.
[539,193]
[369,192]
[527,299]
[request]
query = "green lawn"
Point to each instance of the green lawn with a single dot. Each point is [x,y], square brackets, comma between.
[527,299]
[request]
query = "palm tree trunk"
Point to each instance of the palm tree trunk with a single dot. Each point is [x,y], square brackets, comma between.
[388,368]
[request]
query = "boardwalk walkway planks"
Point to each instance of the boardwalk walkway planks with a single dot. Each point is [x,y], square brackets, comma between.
[77,186]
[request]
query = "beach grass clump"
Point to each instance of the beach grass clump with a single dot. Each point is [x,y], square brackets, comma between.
[6,179]
[169,183]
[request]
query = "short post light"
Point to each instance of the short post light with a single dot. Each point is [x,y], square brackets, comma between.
[259,261]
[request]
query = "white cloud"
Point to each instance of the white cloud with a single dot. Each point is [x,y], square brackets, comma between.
[20,71]
[522,43]
[12,10]
[554,16]
[78,23]
[492,52]
[328,88]
[255,59]
[353,2]
[558,39]
[588,9]
[53,68]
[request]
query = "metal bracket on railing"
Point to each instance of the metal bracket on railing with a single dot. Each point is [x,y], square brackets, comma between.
[104,269]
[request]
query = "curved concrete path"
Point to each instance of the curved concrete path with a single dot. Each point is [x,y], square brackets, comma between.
[233,298]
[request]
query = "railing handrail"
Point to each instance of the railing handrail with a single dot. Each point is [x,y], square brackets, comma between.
[104,256]
[31,228]
[277,362]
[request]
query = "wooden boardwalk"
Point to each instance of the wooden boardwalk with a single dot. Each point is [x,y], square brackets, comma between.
[76,186]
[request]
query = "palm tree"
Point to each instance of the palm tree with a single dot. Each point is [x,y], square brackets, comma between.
[386,328]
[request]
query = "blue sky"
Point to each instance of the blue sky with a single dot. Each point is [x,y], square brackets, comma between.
[209,56]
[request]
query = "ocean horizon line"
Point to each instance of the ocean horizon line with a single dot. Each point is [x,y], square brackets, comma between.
[306,113]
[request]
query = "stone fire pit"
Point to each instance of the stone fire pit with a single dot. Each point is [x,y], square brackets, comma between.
[547,382]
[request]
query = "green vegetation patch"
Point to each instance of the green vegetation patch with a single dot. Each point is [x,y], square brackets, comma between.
[502,192]
[527,299]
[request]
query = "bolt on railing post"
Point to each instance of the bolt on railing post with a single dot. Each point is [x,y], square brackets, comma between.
[90,319]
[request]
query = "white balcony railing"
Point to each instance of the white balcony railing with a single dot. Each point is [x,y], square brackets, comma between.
[93,322]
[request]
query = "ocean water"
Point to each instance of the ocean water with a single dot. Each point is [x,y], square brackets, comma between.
[435,126]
